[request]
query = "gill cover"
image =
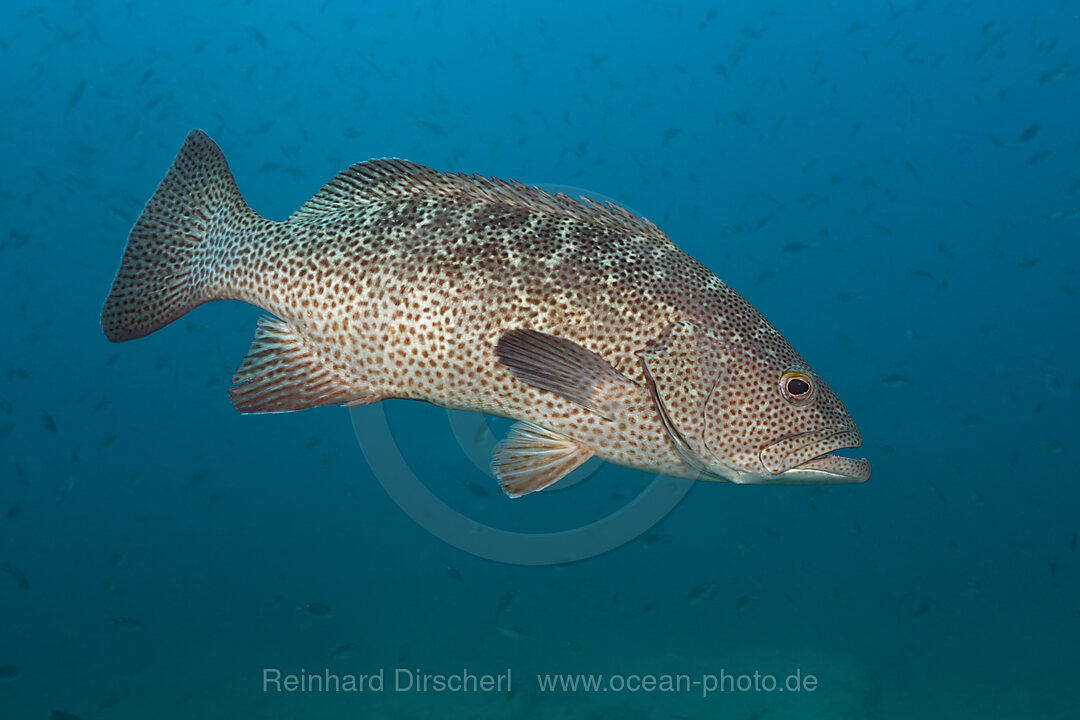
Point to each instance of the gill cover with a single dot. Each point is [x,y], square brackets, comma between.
[682,369]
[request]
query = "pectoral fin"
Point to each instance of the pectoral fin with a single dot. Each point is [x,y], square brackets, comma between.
[563,367]
[532,458]
[682,367]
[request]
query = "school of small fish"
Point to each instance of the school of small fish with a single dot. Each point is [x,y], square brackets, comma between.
[868,194]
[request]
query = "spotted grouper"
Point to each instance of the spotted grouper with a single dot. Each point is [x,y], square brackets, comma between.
[581,321]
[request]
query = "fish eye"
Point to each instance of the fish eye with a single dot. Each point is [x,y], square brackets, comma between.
[796,386]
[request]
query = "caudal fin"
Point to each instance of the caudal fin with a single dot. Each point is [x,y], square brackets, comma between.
[167,270]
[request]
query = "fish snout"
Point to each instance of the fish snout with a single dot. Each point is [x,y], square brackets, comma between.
[806,457]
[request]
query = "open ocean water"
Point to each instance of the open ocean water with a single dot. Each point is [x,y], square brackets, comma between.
[895,185]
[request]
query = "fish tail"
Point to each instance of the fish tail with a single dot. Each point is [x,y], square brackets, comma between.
[168,267]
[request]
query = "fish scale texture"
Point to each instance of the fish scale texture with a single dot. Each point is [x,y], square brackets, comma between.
[396,280]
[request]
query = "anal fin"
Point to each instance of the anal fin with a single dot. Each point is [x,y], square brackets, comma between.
[281,373]
[532,458]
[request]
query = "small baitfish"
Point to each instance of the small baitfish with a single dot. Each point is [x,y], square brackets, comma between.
[316,609]
[582,321]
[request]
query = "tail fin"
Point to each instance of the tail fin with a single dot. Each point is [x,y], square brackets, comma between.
[165,271]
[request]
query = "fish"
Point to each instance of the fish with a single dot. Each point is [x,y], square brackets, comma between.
[18,576]
[1029,133]
[316,609]
[1054,73]
[48,422]
[1064,215]
[9,672]
[76,94]
[431,127]
[109,703]
[581,321]
[343,652]
[296,26]
[130,623]
[698,593]
[256,36]
[475,488]
[514,632]
[1039,157]
[118,214]
[650,539]
[505,602]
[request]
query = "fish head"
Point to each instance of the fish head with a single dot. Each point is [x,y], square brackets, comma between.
[773,420]
[750,411]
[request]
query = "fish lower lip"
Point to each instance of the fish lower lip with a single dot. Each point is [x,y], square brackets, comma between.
[833,468]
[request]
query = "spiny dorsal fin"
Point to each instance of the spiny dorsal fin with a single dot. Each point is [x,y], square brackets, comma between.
[532,458]
[388,178]
[281,373]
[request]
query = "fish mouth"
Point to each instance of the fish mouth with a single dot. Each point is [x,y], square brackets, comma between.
[829,468]
[807,458]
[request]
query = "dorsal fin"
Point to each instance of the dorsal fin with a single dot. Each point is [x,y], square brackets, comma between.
[368,182]
[387,178]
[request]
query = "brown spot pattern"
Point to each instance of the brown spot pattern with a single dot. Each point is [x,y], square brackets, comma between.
[396,280]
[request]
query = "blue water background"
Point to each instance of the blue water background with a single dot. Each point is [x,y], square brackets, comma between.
[869,174]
